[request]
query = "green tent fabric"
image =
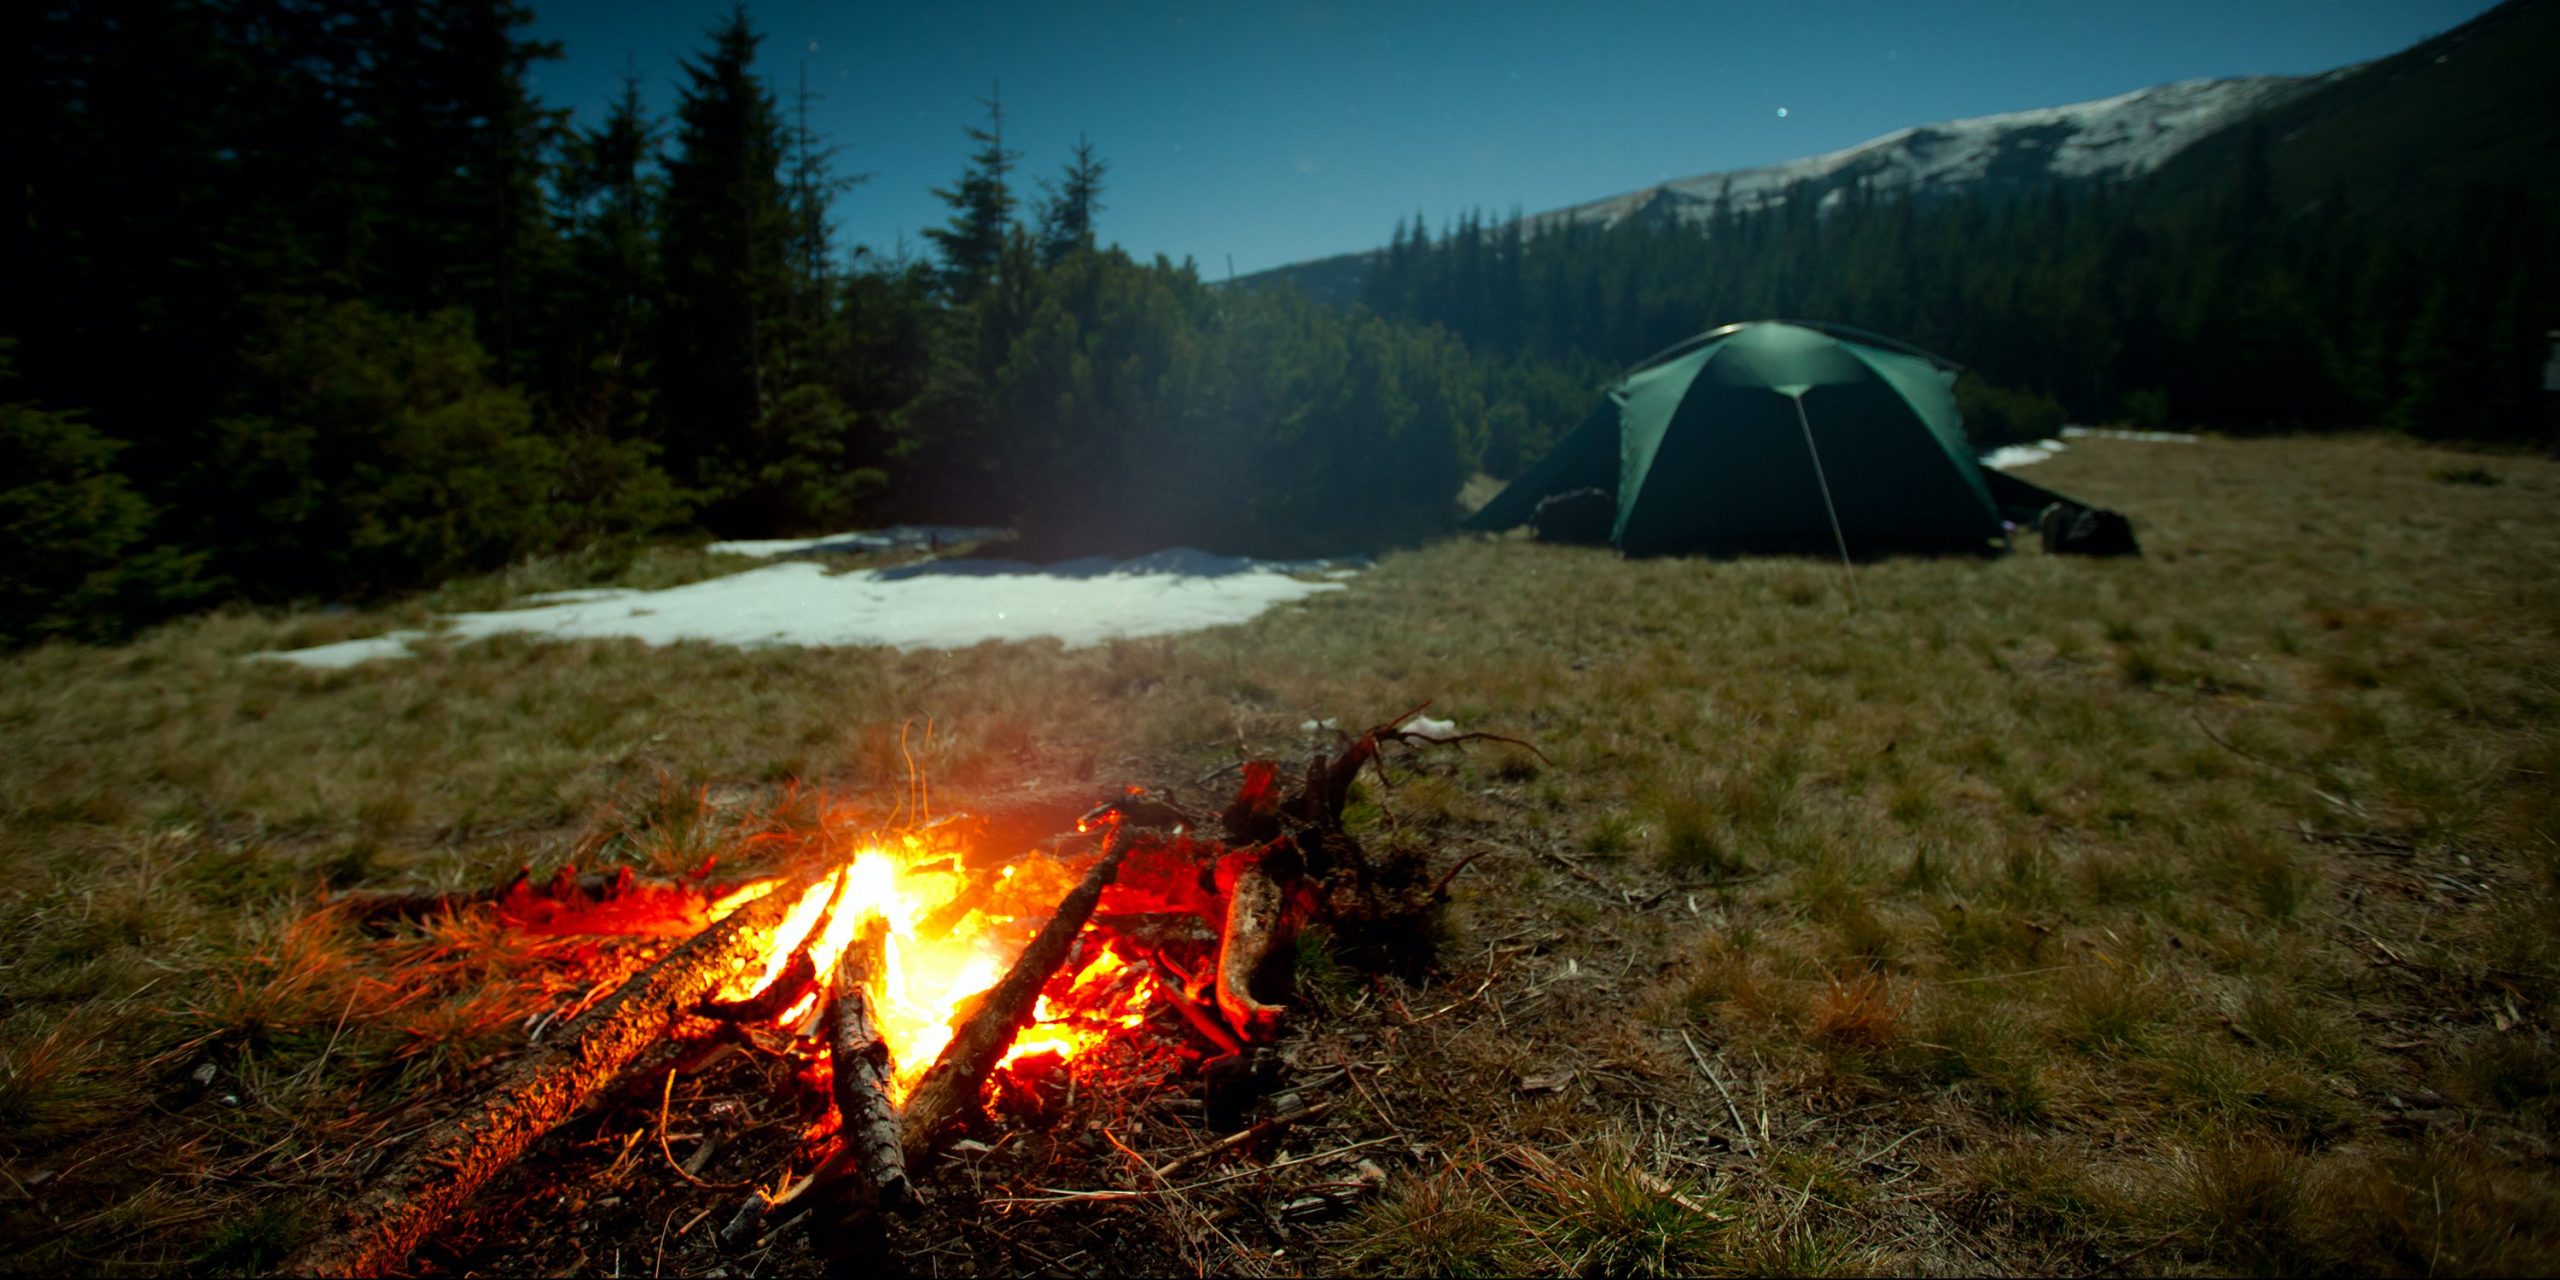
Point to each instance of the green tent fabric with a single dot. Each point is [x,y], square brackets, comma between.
[1758,436]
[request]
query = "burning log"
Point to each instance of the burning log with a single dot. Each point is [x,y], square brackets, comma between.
[973,895]
[952,1085]
[957,1079]
[862,1076]
[1258,924]
[597,902]
[1001,830]
[445,1166]
[798,977]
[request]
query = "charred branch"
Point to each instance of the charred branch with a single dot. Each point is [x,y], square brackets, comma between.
[862,1070]
[1000,830]
[679,903]
[1258,927]
[442,1169]
[952,1086]
[798,978]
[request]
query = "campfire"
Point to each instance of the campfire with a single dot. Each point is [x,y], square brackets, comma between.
[914,972]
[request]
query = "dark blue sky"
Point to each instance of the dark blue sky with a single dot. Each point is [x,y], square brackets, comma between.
[1277,132]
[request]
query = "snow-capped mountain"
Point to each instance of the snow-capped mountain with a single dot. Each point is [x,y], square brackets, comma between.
[2116,138]
[2125,136]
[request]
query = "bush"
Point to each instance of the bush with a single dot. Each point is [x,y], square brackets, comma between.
[1995,416]
[2147,409]
[810,482]
[372,453]
[76,560]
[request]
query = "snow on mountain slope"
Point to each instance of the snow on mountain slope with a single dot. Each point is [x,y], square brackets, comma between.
[2120,137]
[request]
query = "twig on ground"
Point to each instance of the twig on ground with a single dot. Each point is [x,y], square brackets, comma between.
[1730,1109]
[2197,714]
[1050,1196]
[1575,869]
[2367,840]
[666,1097]
[1469,998]
[1452,873]
[1242,1137]
[2340,803]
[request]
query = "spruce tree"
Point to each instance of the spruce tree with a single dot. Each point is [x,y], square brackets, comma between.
[981,209]
[450,140]
[726,245]
[1066,218]
[814,186]
[607,294]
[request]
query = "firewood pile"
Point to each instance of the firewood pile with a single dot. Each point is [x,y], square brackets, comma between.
[1168,911]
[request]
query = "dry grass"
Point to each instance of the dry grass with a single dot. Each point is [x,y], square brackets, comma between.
[2200,912]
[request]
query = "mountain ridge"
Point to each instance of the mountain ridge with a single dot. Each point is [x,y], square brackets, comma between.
[2120,137]
[2468,102]
[2113,138]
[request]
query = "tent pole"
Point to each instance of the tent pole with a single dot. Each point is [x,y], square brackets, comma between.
[1828,507]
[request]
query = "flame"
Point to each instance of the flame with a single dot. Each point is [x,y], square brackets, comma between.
[924,985]
[741,896]
[1104,996]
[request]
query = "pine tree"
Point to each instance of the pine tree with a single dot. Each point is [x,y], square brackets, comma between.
[726,244]
[607,294]
[981,209]
[451,141]
[814,187]
[1066,218]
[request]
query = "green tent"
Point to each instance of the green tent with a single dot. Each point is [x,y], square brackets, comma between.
[1779,435]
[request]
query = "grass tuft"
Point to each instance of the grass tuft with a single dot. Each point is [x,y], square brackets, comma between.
[250,1246]
[1441,1224]
[2110,1008]
[1602,1215]
[2243,1201]
[1990,1051]
[1863,1014]
[50,1081]
[2446,1207]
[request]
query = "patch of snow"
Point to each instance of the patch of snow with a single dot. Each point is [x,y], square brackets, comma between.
[347,653]
[2112,433]
[940,604]
[851,541]
[1429,727]
[2009,456]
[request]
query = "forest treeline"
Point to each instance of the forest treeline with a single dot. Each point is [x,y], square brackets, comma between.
[313,299]
[2417,312]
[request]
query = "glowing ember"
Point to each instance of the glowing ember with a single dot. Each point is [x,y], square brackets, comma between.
[1105,996]
[924,984]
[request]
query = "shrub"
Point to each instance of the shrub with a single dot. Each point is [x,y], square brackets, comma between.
[373,453]
[1994,415]
[76,557]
